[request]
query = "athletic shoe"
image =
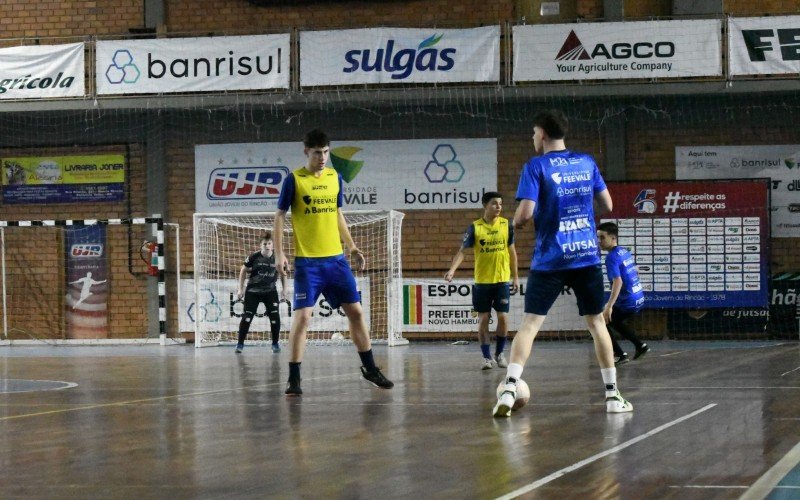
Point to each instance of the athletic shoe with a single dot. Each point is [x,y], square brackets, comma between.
[506,401]
[293,388]
[239,348]
[488,364]
[641,351]
[618,404]
[501,360]
[276,348]
[622,360]
[376,378]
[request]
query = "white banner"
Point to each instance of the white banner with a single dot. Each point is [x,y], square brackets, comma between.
[378,175]
[434,305]
[42,71]
[193,64]
[606,51]
[764,45]
[223,312]
[781,163]
[399,55]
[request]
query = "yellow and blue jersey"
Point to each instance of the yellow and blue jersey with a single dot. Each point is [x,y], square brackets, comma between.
[490,243]
[314,202]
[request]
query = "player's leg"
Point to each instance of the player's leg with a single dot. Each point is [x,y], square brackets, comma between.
[251,301]
[341,290]
[587,284]
[482,304]
[501,304]
[272,302]
[306,292]
[620,355]
[621,323]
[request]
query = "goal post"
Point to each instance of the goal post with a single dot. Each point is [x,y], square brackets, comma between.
[222,242]
[82,281]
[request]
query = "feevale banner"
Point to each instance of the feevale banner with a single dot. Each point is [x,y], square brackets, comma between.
[764,45]
[208,64]
[378,175]
[42,71]
[780,163]
[399,55]
[612,51]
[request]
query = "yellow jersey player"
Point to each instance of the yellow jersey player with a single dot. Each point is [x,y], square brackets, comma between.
[314,195]
[492,239]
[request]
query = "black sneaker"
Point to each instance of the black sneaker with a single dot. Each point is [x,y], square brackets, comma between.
[293,388]
[641,351]
[376,378]
[622,360]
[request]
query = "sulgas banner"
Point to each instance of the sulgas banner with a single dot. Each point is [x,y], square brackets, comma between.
[611,51]
[209,64]
[378,175]
[399,55]
[434,305]
[764,45]
[42,71]
[779,163]
[63,179]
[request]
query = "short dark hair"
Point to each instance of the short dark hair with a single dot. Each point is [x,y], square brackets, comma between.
[487,197]
[610,228]
[267,236]
[316,139]
[554,122]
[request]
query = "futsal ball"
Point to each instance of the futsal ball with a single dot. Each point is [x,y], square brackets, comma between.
[523,393]
[337,337]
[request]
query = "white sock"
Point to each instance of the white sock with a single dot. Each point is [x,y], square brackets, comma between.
[514,371]
[610,380]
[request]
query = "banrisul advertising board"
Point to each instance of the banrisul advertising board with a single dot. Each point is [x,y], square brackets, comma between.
[376,175]
[399,55]
[606,51]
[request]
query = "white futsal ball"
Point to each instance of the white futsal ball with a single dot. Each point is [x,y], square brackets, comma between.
[338,337]
[523,393]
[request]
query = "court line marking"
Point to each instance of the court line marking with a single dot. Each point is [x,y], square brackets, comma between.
[768,482]
[790,371]
[710,486]
[557,474]
[160,398]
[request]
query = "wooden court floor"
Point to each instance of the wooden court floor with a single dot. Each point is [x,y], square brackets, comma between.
[710,419]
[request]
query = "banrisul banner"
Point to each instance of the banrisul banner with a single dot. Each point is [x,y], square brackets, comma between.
[399,55]
[399,175]
[434,305]
[611,51]
[780,163]
[764,45]
[42,71]
[193,64]
[63,179]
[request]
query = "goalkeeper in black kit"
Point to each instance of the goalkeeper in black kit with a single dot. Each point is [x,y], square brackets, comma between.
[261,287]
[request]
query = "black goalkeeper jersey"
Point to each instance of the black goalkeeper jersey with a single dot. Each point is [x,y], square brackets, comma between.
[263,273]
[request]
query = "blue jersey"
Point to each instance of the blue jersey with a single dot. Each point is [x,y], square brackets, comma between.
[563,185]
[620,264]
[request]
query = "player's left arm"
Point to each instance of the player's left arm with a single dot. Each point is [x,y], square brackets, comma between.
[512,260]
[524,213]
[350,245]
[603,203]
[616,288]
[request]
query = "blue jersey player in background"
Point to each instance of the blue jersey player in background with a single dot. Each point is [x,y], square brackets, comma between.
[557,190]
[627,296]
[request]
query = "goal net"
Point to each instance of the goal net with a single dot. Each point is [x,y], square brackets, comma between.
[83,281]
[222,242]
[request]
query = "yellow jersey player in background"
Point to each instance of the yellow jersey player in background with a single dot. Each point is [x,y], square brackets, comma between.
[314,195]
[492,239]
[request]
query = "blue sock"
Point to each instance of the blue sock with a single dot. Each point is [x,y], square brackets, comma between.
[485,350]
[501,344]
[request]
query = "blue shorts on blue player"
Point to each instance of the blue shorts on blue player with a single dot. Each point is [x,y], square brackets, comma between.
[329,276]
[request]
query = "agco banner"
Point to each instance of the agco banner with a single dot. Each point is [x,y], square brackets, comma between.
[42,71]
[780,163]
[192,64]
[764,45]
[399,55]
[611,51]
[377,175]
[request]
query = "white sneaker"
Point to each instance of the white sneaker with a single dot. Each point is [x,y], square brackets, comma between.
[488,364]
[501,360]
[618,404]
[505,402]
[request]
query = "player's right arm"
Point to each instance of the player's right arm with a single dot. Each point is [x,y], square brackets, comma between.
[527,194]
[284,204]
[467,242]
[243,272]
[603,203]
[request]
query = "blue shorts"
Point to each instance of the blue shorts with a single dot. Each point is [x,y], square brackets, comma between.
[329,276]
[486,297]
[544,287]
